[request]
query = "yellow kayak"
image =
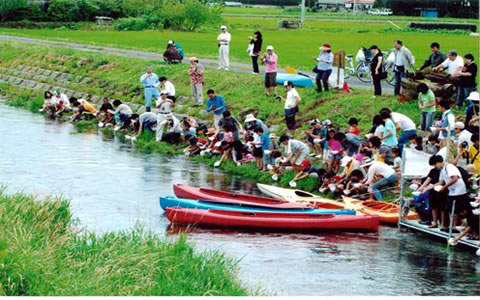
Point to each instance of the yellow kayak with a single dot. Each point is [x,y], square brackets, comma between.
[299,196]
[388,212]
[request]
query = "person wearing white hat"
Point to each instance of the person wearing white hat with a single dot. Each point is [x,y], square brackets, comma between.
[270,60]
[316,137]
[223,39]
[251,122]
[472,115]
[164,106]
[196,72]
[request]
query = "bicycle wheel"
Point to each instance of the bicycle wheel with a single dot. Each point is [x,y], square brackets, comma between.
[347,72]
[390,75]
[363,73]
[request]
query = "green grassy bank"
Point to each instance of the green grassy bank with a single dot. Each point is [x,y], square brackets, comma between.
[243,93]
[43,254]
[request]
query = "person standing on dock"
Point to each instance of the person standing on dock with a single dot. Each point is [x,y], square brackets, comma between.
[164,106]
[196,71]
[223,48]
[150,83]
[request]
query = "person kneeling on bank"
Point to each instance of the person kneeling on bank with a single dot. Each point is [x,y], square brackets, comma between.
[82,109]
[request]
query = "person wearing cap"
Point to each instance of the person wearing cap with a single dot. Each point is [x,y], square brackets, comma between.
[196,72]
[349,164]
[472,115]
[297,151]
[251,122]
[291,106]
[62,103]
[377,169]
[229,120]
[150,82]
[324,67]
[316,137]
[169,87]
[164,106]
[256,46]
[462,135]
[216,105]
[376,69]
[467,79]
[178,47]
[403,62]
[468,153]
[223,39]
[427,103]
[171,55]
[270,60]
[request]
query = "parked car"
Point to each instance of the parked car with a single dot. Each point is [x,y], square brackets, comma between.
[380,12]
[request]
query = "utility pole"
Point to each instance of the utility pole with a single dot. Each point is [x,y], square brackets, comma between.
[302,17]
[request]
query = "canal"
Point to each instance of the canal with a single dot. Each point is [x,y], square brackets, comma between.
[113,187]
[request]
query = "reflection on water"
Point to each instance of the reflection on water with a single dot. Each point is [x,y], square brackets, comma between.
[112,187]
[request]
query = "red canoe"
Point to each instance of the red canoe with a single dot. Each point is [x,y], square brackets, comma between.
[190,192]
[271,221]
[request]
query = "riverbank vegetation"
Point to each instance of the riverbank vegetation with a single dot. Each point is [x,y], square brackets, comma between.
[42,252]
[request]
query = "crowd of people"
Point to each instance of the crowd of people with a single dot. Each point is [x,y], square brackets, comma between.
[343,162]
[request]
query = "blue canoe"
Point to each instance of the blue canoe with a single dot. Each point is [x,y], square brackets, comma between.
[297,80]
[170,201]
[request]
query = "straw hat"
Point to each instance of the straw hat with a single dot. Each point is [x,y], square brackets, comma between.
[250,118]
[193,58]
[211,131]
[325,46]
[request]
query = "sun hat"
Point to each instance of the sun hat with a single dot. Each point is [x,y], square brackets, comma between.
[305,164]
[327,123]
[223,27]
[272,136]
[193,58]
[474,96]
[459,125]
[325,46]
[164,92]
[211,131]
[250,118]
[367,161]
[269,47]
[345,160]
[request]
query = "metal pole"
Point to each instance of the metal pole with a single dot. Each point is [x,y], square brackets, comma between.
[402,183]
[354,6]
[302,17]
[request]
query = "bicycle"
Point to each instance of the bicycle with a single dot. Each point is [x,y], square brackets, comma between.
[362,70]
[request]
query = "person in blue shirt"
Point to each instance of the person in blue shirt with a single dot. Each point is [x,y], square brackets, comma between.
[150,83]
[215,104]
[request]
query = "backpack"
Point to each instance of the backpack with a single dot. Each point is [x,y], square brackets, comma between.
[465,177]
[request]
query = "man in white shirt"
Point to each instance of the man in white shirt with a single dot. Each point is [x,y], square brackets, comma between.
[164,106]
[404,123]
[378,169]
[297,151]
[61,102]
[174,130]
[451,180]
[454,64]
[223,48]
[291,106]
[169,87]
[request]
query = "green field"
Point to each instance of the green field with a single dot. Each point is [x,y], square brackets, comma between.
[294,47]
[43,253]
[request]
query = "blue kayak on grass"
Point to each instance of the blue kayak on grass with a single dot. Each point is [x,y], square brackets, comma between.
[297,80]
[170,201]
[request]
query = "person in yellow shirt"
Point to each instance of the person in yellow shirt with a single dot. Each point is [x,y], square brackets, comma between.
[471,155]
[82,108]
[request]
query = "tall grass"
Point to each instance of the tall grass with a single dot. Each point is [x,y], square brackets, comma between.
[42,254]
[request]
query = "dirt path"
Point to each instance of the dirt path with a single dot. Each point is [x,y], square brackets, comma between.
[234,66]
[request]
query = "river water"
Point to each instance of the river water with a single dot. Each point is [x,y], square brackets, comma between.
[112,187]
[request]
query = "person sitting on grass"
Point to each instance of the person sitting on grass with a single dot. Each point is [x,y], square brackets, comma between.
[173,135]
[48,102]
[261,143]
[196,145]
[349,164]
[316,137]
[188,131]
[297,151]
[172,55]
[431,146]
[377,169]
[104,117]
[62,104]
[121,113]
[168,87]
[82,109]
[145,121]
[335,151]
[353,129]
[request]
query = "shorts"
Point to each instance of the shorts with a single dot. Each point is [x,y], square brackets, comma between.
[270,79]
[461,203]
[438,200]
[290,118]
[335,156]
[258,152]
[301,158]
